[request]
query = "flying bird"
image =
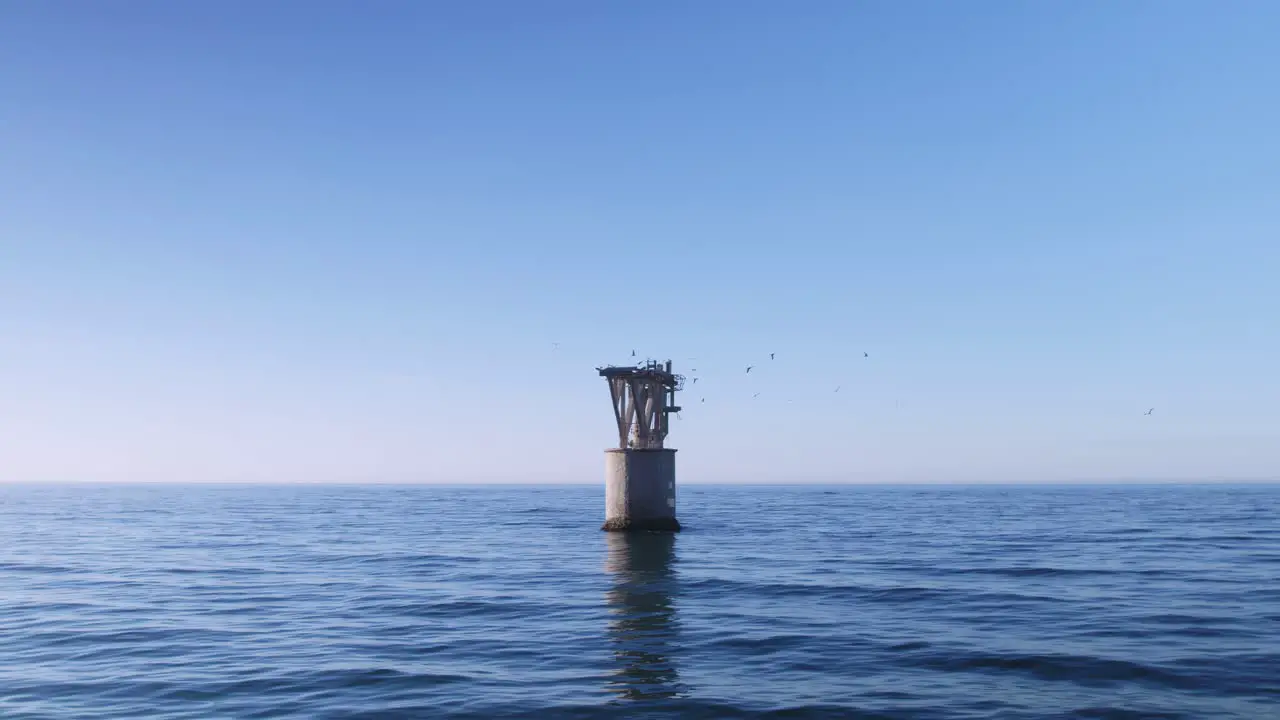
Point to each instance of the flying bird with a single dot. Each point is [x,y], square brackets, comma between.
[1149,411]
[555,346]
[695,381]
[865,355]
[756,395]
[704,399]
[749,367]
[837,388]
[770,356]
[633,353]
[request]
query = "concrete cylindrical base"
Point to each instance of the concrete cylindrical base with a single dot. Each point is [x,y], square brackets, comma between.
[640,490]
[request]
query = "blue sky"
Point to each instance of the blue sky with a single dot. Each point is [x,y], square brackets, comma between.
[335,241]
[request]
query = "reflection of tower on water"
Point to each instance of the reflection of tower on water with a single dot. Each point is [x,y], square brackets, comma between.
[643,625]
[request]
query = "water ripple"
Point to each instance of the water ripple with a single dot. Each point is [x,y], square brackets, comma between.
[402,602]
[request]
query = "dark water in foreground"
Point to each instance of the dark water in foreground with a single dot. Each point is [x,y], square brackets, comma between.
[373,602]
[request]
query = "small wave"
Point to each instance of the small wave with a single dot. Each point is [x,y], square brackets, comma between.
[1034,571]
[909,646]
[687,709]
[11,567]
[1085,670]
[1113,713]
[851,592]
[1180,619]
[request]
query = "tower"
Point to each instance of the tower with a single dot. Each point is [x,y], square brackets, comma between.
[640,474]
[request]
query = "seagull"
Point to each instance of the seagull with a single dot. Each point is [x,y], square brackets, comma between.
[865,355]
[633,353]
[555,346]
[704,399]
[756,395]
[770,356]
[1149,411]
[749,367]
[837,388]
[695,381]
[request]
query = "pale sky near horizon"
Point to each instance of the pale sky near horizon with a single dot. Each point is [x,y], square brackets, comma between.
[336,241]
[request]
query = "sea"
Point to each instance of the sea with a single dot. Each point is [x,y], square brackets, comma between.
[940,602]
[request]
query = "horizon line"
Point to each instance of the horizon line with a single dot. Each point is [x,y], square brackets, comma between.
[703,483]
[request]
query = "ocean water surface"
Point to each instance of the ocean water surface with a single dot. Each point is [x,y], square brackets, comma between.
[491,602]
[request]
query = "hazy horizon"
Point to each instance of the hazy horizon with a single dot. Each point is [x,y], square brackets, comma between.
[1081,482]
[279,242]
